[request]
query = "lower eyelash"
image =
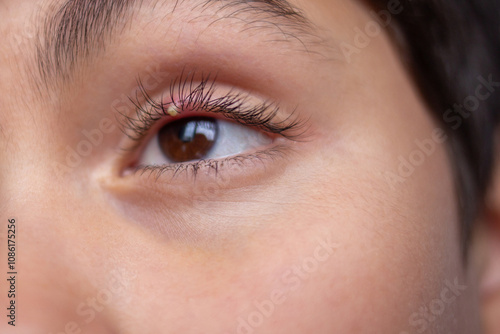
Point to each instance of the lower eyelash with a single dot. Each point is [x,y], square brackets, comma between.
[211,165]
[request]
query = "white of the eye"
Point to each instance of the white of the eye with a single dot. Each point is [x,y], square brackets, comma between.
[233,139]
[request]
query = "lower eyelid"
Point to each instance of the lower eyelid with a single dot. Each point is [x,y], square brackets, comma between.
[157,184]
[238,166]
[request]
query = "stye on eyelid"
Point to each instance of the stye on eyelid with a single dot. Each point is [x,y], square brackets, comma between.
[172,111]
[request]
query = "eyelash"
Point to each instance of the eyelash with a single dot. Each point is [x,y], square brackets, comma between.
[187,94]
[212,164]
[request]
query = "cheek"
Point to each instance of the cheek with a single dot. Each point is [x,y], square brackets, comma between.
[354,254]
[379,185]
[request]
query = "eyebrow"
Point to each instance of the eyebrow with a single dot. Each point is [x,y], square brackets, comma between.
[78,29]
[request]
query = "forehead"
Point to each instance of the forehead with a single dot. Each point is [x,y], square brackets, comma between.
[63,32]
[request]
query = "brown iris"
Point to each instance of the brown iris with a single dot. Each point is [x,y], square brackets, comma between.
[188,139]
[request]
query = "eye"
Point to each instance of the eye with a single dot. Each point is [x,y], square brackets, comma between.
[203,125]
[193,139]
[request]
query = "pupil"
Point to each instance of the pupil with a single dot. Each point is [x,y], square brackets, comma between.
[188,139]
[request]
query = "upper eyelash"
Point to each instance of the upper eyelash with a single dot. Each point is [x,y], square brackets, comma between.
[186,93]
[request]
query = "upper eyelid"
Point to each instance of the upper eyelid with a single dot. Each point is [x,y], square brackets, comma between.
[186,91]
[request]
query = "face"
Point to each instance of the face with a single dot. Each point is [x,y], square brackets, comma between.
[223,167]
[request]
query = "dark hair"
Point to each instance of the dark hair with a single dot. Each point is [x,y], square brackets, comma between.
[447,45]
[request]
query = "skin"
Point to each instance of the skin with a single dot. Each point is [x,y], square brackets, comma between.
[316,240]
